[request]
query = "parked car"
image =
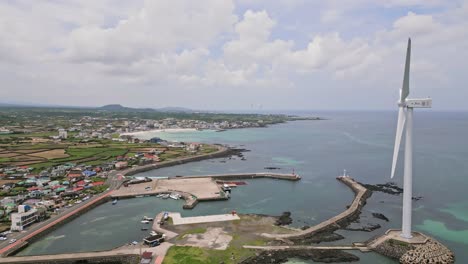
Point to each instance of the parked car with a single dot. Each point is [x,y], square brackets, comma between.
[12,241]
[2,238]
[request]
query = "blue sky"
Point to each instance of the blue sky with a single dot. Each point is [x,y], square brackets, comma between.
[212,54]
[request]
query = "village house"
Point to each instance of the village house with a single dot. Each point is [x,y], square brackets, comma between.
[121,165]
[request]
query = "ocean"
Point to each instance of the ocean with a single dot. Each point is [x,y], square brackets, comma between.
[360,142]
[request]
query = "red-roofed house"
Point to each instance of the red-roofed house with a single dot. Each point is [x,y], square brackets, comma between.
[35,188]
[121,165]
[77,189]
[81,183]
[98,183]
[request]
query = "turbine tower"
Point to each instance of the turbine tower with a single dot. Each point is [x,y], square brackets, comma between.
[405,115]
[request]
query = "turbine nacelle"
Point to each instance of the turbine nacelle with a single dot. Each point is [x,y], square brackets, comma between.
[419,103]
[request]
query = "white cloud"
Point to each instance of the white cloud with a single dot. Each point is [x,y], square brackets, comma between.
[159,26]
[156,52]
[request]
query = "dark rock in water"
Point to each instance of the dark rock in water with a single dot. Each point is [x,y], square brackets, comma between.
[272,168]
[389,187]
[305,227]
[380,216]
[417,198]
[284,219]
[282,256]
[222,161]
[318,238]
[243,158]
[365,228]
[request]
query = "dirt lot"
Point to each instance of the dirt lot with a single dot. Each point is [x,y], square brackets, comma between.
[214,238]
[247,229]
[8,154]
[26,151]
[51,154]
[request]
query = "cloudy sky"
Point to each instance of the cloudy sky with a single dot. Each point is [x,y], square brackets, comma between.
[240,54]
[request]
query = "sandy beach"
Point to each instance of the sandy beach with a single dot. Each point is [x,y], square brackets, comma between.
[168,130]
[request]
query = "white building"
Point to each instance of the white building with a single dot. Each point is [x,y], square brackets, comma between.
[24,218]
[62,133]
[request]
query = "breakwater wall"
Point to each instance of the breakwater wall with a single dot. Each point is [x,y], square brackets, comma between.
[338,221]
[257,175]
[88,257]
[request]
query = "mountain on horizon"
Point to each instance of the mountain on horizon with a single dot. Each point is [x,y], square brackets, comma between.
[119,107]
[109,107]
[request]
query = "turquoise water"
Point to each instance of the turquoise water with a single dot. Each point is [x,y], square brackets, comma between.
[360,142]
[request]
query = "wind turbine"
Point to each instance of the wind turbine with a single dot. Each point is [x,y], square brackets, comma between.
[405,115]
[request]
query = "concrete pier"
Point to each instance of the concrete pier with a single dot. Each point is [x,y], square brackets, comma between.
[194,189]
[177,219]
[361,195]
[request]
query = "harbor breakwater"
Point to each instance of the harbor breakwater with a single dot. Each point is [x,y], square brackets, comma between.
[338,221]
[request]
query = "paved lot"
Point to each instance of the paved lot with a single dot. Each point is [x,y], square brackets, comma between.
[202,188]
[178,220]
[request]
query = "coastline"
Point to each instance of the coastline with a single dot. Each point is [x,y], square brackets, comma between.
[167,130]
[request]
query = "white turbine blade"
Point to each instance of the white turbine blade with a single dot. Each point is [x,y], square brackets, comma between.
[399,134]
[405,88]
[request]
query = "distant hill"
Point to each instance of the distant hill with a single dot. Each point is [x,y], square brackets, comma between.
[121,108]
[174,109]
[109,107]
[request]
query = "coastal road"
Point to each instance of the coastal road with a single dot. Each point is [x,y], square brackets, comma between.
[41,226]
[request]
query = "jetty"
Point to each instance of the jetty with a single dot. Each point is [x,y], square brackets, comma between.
[338,221]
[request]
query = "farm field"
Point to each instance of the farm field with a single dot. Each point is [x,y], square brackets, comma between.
[44,155]
[47,154]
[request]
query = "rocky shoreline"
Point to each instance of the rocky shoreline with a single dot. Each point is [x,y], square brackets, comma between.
[282,256]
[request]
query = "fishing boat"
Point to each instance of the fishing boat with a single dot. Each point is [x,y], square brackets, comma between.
[165,196]
[147,218]
[139,196]
[145,221]
[144,228]
[114,202]
[226,188]
[175,196]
